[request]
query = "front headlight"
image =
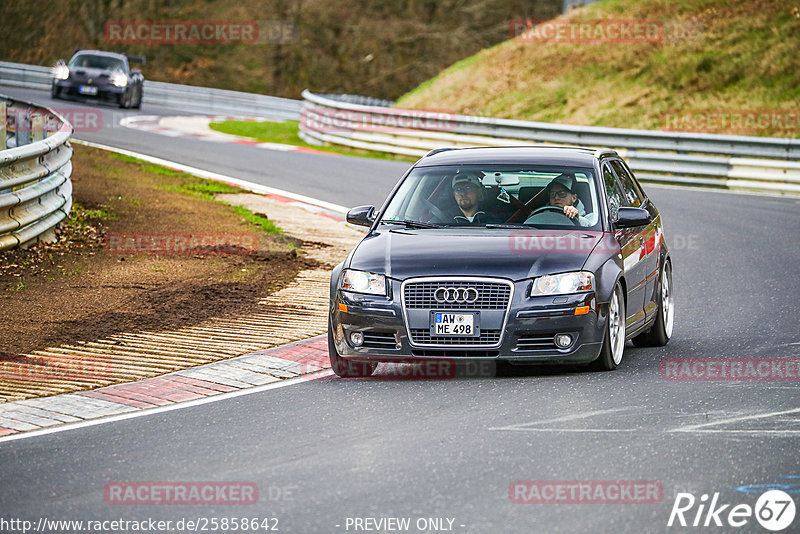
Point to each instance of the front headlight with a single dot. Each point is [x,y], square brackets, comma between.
[561,284]
[61,72]
[119,79]
[363,282]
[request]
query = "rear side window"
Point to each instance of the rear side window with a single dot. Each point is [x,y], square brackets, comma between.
[616,198]
[632,192]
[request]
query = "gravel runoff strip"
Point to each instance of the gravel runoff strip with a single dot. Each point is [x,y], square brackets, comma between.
[209,350]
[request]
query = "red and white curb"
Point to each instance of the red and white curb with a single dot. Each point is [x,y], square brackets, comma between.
[197,127]
[238,374]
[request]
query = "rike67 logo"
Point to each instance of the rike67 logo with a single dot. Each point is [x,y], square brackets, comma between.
[774,510]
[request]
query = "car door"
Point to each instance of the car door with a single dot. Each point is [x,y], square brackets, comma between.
[649,234]
[631,245]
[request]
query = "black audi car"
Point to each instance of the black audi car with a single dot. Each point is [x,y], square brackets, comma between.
[520,255]
[99,75]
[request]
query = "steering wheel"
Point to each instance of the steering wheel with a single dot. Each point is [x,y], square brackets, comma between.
[554,209]
[437,215]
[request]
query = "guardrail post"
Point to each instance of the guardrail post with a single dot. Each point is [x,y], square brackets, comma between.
[37,128]
[23,127]
[3,129]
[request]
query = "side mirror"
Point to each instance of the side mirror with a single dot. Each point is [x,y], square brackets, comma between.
[632,217]
[362,215]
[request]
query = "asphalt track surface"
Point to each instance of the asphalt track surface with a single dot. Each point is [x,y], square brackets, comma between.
[322,451]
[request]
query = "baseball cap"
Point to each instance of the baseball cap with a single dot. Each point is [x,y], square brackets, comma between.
[564,180]
[467,177]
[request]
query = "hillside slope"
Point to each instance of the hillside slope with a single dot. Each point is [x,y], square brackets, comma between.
[381,49]
[715,62]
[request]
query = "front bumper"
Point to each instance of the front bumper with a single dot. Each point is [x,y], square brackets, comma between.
[105,91]
[527,335]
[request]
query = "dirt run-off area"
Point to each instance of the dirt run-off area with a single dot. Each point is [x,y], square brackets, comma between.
[144,248]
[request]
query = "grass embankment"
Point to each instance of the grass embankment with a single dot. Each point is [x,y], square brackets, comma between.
[715,60]
[83,288]
[287,133]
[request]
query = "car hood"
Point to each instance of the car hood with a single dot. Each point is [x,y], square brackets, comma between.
[512,254]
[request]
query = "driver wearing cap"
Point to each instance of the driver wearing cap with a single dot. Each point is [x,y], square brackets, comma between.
[468,194]
[561,194]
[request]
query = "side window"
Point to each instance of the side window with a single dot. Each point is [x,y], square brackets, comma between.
[615,196]
[633,194]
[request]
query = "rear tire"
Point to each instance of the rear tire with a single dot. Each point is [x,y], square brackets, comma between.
[661,331]
[614,339]
[347,368]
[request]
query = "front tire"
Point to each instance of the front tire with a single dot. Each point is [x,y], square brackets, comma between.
[614,340]
[661,331]
[55,91]
[347,368]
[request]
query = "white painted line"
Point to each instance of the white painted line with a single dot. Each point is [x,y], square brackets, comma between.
[244,184]
[692,428]
[569,429]
[571,417]
[161,409]
[756,432]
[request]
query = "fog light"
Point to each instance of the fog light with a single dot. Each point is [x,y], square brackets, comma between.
[563,340]
[357,339]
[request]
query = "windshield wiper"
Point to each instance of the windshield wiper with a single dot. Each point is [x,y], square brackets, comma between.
[411,224]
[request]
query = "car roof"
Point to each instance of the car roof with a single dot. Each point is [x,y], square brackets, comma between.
[543,154]
[101,53]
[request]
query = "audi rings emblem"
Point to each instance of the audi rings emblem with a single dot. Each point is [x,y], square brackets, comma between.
[453,295]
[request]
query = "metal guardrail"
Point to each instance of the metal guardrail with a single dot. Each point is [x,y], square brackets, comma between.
[35,185]
[183,97]
[725,161]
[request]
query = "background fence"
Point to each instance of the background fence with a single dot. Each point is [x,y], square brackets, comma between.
[725,161]
[682,158]
[35,169]
[185,97]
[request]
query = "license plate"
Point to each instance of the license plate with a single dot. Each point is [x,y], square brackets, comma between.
[455,324]
[87,90]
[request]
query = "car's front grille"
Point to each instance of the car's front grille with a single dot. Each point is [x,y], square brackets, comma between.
[536,342]
[422,336]
[491,295]
[380,340]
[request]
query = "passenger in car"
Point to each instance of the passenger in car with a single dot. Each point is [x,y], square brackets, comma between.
[469,195]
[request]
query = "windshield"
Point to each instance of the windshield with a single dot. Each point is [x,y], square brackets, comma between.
[489,195]
[90,61]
